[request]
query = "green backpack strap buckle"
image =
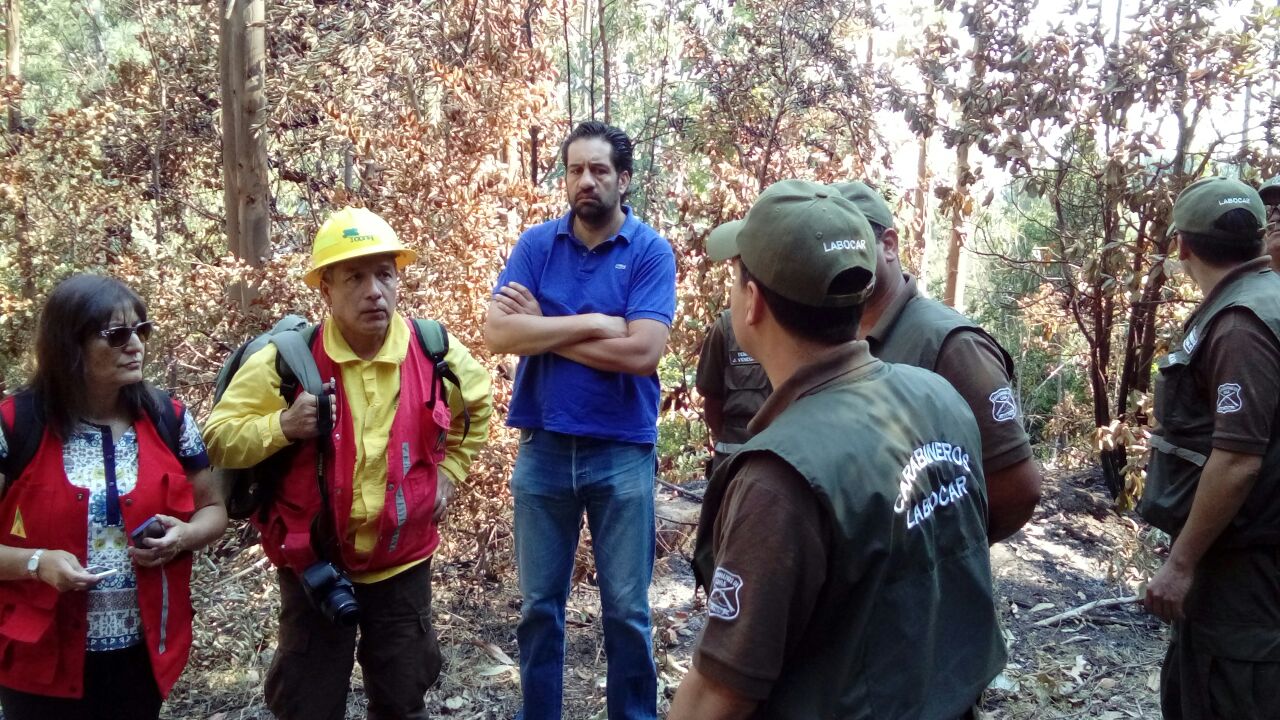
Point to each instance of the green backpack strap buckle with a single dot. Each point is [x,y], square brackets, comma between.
[434,341]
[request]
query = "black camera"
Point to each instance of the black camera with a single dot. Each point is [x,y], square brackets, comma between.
[331,593]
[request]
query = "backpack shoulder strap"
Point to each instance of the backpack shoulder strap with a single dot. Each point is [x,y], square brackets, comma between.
[434,341]
[288,323]
[22,422]
[166,414]
[432,337]
[296,363]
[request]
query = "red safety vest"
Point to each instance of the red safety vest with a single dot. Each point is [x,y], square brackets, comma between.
[42,631]
[415,448]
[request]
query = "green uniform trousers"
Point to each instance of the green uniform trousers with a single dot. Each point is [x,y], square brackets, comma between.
[1224,660]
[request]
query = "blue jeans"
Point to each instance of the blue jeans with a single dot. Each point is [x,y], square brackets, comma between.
[556,478]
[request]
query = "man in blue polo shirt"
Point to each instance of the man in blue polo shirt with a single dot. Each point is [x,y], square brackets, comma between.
[586,300]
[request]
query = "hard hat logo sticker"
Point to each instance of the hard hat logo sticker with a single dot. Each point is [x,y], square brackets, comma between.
[352,235]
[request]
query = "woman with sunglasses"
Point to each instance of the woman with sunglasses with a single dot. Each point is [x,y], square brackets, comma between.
[100,514]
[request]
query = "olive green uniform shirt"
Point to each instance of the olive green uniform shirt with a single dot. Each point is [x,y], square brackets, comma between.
[923,332]
[1219,389]
[844,553]
[729,373]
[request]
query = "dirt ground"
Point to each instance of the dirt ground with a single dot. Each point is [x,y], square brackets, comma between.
[1102,664]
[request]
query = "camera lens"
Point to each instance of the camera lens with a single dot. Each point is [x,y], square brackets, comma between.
[342,609]
[331,593]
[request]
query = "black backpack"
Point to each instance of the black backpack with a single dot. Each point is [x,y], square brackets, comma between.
[24,434]
[250,489]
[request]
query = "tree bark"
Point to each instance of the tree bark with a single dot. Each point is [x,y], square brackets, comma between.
[21,219]
[349,169]
[591,47]
[534,148]
[963,176]
[13,56]
[231,67]
[568,60]
[1269,135]
[254,196]
[957,221]
[162,128]
[919,224]
[604,59]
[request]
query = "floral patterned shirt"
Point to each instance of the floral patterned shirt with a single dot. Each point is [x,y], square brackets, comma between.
[108,468]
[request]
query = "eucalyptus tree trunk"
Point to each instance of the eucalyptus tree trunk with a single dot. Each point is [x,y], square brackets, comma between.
[246,196]
[230,67]
[606,65]
[13,55]
[13,69]
[961,204]
[254,193]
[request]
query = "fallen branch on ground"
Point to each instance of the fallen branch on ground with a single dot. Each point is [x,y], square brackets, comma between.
[679,490]
[674,521]
[232,578]
[1077,612]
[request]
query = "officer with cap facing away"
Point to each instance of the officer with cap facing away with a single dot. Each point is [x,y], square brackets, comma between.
[733,386]
[843,548]
[902,326]
[1270,192]
[387,463]
[1213,479]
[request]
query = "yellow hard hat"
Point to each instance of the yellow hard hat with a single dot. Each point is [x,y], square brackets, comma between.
[352,233]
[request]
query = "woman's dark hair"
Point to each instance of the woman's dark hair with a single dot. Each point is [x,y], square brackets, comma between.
[822,325]
[1246,244]
[621,154]
[74,312]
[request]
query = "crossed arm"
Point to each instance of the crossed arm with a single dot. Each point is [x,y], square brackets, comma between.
[515,325]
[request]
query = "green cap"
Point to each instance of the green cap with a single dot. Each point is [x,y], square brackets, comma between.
[797,237]
[1270,191]
[1207,199]
[869,201]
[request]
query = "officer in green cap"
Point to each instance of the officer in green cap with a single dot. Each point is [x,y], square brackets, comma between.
[733,386]
[903,326]
[1270,192]
[1213,480]
[843,548]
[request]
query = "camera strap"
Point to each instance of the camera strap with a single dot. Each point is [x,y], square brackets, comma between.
[324,532]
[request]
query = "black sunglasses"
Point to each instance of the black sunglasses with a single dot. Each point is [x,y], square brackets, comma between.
[119,335]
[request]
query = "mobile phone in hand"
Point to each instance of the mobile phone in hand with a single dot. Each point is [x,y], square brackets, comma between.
[149,529]
[101,571]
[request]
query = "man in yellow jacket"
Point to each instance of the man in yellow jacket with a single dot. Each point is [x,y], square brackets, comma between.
[359,497]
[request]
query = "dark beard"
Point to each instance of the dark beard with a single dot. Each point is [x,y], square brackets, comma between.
[593,214]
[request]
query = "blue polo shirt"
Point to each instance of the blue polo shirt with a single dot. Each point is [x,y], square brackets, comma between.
[632,276]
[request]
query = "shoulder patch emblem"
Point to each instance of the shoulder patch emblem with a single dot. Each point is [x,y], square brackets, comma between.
[740,357]
[1003,406]
[1229,399]
[1190,342]
[723,602]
